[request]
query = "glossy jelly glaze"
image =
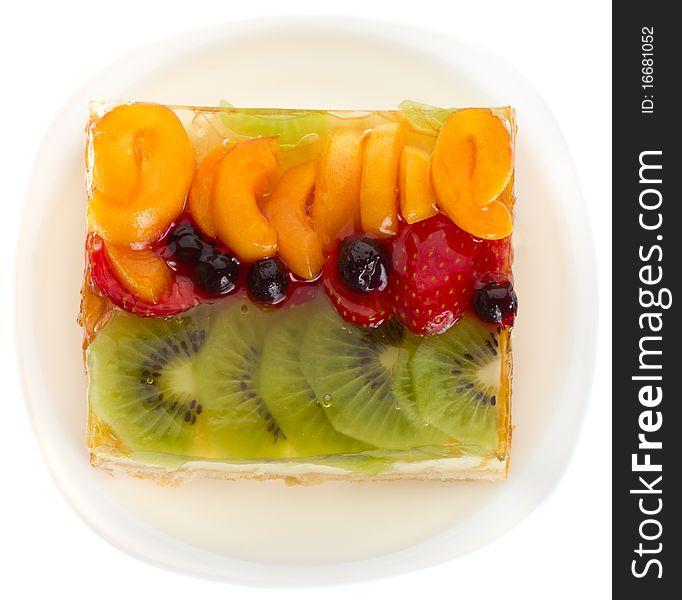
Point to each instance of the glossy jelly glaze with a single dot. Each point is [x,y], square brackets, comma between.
[287,217]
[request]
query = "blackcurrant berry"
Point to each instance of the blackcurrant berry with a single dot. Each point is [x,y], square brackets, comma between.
[185,244]
[363,264]
[496,302]
[216,272]
[268,281]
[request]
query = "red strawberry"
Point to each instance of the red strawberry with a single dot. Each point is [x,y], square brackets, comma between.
[493,256]
[365,309]
[435,267]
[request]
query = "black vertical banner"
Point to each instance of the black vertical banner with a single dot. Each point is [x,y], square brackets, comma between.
[647,266]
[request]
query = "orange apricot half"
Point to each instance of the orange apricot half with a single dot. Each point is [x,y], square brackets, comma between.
[471,165]
[335,210]
[299,245]
[417,200]
[244,176]
[379,183]
[141,272]
[142,163]
[200,196]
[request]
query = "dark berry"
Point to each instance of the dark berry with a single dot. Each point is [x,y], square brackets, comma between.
[496,302]
[358,308]
[268,281]
[363,264]
[185,243]
[216,272]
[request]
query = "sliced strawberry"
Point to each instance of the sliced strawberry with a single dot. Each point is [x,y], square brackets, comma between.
[492,256]
[302,293]
[180,297]
[365,309]
[435,268]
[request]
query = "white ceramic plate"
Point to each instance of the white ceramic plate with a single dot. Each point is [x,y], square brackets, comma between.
[268,533]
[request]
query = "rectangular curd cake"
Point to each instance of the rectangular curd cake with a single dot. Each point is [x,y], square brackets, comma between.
[308,295]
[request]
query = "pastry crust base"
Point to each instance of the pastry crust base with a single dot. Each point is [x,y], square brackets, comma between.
[442,469]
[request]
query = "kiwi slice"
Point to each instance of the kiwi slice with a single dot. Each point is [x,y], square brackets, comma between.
[287,393]
[143,384]
[240,424]
[457,377]
[292,127]
[362,380]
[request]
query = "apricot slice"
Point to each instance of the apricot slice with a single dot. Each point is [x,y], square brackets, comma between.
[299,245]
[473,157]
[335,211]
[141,272]
[492,222]
[142,163]
[200,196]
[379,184]
[507,195]
[417,200]
[471,165]
[244,175]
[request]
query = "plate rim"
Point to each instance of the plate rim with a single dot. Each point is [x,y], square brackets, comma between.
[418,556]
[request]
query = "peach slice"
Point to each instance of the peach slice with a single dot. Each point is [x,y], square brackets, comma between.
[244,176]
[471,165]
[200,196]
[141,164]
[379,184]
[141,272]
[417,201]
[299,245]
[335,211]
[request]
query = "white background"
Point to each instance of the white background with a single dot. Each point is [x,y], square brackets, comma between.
[47,49]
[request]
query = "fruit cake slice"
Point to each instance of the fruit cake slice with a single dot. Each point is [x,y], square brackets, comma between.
[299,294]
